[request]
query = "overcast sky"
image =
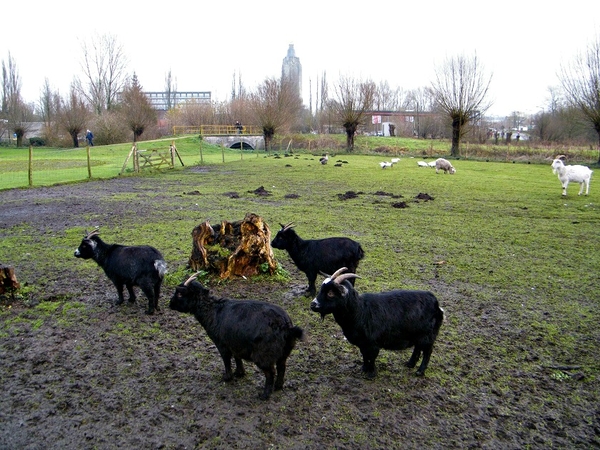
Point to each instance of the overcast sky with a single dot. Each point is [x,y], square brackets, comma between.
[521,43]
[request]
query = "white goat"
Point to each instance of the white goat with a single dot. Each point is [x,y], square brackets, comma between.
[385,164]
[443,164]
[422,164]
[577,174]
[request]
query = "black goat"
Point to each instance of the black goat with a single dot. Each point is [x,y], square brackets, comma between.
[393,320]
[256,331]
[313,256]
[128,266]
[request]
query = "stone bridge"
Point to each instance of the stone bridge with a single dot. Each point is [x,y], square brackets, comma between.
[244,141]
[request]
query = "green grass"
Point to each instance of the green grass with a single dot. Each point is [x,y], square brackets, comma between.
[514,264]
[54,165]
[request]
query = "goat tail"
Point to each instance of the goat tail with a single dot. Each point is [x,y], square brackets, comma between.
[161,267]
[297,333]
[440,316]
[361,252]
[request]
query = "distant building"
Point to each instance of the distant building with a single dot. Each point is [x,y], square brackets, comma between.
[291,69]
[162,101]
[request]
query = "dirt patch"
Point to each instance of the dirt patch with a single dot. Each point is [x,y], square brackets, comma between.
[78,372]
[424,197]
[260,191]
[349,195]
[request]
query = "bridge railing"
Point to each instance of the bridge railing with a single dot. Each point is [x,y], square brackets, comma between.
[216,130]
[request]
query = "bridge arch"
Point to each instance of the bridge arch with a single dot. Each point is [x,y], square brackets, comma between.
[243,144]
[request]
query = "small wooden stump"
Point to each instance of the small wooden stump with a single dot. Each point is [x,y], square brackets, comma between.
[8,280]
[238,248]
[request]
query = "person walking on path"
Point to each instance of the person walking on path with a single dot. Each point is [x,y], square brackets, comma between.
[89,137]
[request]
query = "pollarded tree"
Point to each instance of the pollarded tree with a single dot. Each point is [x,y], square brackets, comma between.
[353,98]
[135,109]
[580,80]
[276,106]
[460,90]
[73,115]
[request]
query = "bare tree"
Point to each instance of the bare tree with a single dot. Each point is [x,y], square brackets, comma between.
[195,113]
[170,90]
[276,106]
[460,89]
[581,81]
[353,98]
[17,113]
[73,115]
[49,105]
[135,109]
[388,99]
[104,69]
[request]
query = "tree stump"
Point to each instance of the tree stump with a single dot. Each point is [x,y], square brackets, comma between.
[241,248]
[8,279]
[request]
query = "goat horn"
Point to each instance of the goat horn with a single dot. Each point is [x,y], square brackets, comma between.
[92,233]
[192,278]
[345,277]
[288,226]
[338,272]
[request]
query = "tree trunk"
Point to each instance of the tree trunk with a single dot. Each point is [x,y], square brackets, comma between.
[241,248]
[74,137]
[350,133]
[8,279]
[598,130]
[456,125]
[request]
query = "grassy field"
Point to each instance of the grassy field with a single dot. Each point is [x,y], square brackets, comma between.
[53,165]
[514,264]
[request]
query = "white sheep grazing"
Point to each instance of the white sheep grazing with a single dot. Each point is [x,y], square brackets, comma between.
[422,164]
[385,164]
[395,160]
[431,164]
[444,165]
[577,174]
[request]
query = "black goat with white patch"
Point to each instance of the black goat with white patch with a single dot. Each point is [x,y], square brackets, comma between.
[129,266]
[314,256]
[393,320]
[249,330]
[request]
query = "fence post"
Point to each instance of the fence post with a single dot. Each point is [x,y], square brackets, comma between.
[223,152]
[201,157]
[87,149]
[30,171]
[136,161]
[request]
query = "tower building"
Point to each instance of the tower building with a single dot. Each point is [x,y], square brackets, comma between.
[291,69]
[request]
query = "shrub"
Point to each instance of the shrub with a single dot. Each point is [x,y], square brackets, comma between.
[37,141]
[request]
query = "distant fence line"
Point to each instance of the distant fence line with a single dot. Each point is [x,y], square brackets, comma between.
[38,166]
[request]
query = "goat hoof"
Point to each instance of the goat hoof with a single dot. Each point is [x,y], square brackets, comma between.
[239,374]
[150,312]
[264,396]
[118,302]
[370,374]
[227,377]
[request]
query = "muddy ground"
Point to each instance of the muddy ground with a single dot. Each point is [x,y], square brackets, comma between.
[78,372]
